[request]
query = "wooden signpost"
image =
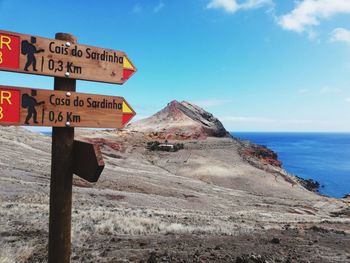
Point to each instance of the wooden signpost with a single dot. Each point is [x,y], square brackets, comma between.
[62,58]
[39,107]
[63,109]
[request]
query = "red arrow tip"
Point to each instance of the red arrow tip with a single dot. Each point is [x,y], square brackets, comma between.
[127,73]
[127,117]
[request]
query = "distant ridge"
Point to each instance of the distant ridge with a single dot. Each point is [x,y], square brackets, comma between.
[181,120]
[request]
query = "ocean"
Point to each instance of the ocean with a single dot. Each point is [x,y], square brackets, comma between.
[324,157]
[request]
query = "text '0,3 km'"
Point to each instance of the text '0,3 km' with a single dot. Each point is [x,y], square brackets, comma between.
[57,58]
[38,107]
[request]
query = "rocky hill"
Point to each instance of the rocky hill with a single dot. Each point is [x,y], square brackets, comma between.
[180,120]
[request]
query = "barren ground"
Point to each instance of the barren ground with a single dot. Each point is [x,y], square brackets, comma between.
[201,204]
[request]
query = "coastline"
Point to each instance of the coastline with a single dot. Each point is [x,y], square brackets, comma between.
[319,159]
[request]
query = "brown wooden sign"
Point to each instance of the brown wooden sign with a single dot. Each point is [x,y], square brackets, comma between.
[57,58]
[38,107]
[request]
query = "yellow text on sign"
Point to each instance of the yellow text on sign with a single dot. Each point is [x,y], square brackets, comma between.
[5,95]
[5,41]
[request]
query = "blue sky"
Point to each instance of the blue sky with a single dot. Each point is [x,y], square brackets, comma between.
[257,65]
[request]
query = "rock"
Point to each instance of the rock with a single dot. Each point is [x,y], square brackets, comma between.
[9,206]
[180,121]
[103,142]
[344,213]
[142,244]
[240,260]
[260,152]
[152,258]
[275,240]
[319,229]
[250,259]
[217,247]
[309,184]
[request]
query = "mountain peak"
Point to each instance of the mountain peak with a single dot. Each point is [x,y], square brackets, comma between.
[181,120]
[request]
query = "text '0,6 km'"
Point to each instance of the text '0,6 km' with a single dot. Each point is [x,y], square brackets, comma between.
[57,58]
[38,107]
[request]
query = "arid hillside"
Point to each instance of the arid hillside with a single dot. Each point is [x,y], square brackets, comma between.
[212,201]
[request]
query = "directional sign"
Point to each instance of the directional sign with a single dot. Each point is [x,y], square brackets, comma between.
[57,58]
[38,107]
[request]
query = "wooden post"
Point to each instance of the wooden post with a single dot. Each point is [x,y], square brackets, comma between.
[61,180]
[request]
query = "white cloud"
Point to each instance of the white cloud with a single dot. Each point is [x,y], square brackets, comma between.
[212,102]
[253,4]
[309,13]
[347,99]
[231,6]
[158,7]
[340,35]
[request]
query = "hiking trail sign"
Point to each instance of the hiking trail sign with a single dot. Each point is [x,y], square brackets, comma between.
[63,109]
[57,58]
[39,107]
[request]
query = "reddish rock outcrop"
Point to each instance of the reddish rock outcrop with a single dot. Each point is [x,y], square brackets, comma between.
[260,152]
[116,146]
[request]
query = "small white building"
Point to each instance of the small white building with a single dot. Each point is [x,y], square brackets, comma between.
[166,147]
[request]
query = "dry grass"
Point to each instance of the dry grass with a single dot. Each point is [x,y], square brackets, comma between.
[146,222]
[25,226]
[16,254]
[21,227]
